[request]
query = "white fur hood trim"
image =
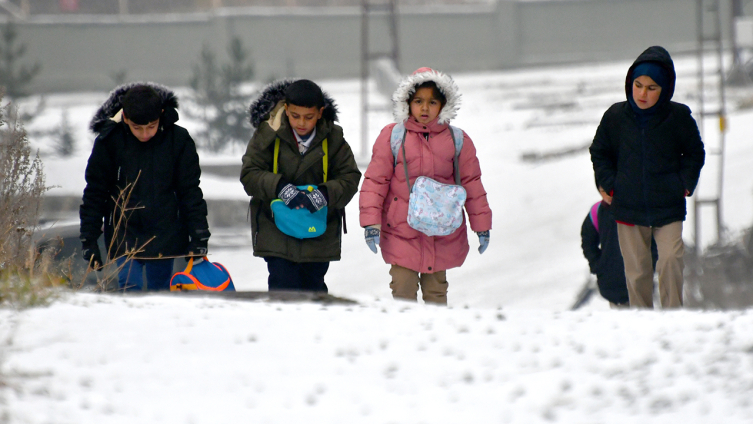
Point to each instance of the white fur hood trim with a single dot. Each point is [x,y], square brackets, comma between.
[445,83]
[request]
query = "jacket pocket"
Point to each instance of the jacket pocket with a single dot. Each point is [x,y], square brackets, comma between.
[397,220]
[671,191]
[390,219]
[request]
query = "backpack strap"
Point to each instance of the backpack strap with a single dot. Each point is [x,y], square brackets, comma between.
[594,214]
[277,155]
[325,160]
[457,138]
[396,139]
[405,167]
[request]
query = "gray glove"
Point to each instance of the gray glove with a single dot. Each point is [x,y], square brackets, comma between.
[372,238]
[483,240]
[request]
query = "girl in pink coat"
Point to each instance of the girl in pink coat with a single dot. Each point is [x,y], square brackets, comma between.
[424,103]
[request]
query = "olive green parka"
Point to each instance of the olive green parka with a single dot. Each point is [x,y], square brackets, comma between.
[261,183]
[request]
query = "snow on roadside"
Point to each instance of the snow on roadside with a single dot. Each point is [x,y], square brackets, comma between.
[115,359]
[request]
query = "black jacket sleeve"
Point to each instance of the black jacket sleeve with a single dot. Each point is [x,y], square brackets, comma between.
[590,244]
[603,154]
[693,153]
[256,171]
[100,175]
[191,201]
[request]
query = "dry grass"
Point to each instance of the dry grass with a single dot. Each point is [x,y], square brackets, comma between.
[106,280]
[26,277]
[722,277]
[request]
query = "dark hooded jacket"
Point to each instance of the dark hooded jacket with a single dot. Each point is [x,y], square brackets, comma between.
[601,248]
[156,181]
[648,167]
[269,119]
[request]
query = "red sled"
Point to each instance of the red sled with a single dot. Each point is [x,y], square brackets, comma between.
[205,275]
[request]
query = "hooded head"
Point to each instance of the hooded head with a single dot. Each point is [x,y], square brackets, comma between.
[159,98]
[269,106]
[656,64]
[408,86]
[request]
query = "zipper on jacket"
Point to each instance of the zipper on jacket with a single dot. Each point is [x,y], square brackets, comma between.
[320,155]
[644,141]
[255,235]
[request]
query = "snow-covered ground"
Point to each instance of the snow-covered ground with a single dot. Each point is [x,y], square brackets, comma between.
[507,350]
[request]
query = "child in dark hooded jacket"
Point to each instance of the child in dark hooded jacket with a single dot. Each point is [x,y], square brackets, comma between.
[297,143]
[647,156]
[142,186]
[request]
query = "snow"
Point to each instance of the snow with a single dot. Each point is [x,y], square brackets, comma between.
[506,350]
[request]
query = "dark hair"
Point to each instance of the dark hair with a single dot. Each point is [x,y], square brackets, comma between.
[436,92]
[142,104]
[304,93]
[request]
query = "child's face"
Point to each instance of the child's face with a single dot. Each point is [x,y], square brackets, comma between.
[424,107]
[303,119]
[646,92]
[145,132]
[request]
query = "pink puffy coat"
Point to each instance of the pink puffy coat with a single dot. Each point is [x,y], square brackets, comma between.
[384,196]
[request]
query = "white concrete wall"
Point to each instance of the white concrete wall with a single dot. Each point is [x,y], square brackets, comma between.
[81,53]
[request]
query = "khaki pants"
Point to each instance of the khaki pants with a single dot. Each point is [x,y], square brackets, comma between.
[635,244]
[405,282]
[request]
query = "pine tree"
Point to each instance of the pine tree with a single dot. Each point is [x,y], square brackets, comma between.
[65,143]
[217,92]
[14,76]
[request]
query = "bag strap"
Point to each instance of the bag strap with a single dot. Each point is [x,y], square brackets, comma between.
[397,141]
[325,161]
[594,214]
[189,266]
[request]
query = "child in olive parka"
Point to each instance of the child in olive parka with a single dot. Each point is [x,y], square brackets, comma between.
[301,116]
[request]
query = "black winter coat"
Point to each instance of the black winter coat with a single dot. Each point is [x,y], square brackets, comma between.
[602,250]
[160,179]
[648,169]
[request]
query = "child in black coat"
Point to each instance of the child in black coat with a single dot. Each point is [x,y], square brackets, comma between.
[142,188]
[647,156]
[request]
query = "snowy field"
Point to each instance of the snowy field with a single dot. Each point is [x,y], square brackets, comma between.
[507,350]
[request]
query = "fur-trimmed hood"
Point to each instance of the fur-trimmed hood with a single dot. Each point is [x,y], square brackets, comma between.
[268,105]
[110,109]
[445,83]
